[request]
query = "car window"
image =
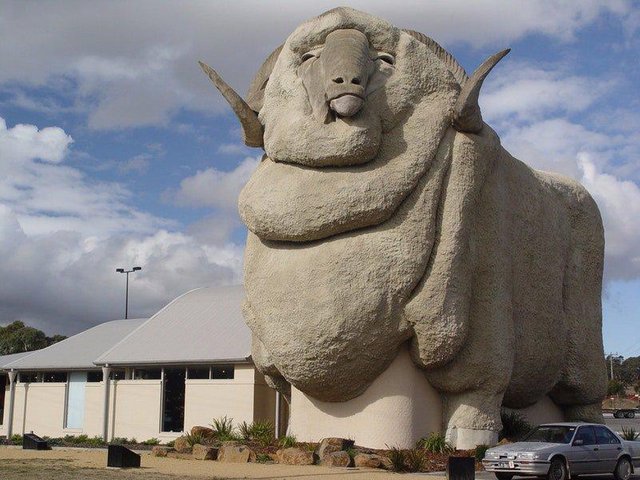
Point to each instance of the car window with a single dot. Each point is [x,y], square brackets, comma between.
[587,435]
[550,434]
[604,436]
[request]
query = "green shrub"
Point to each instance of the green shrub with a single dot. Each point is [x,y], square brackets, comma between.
[95,442]
[263,458]
[170,443]
[223,429]
[119,441]
[398,459]
[352,452]
[435,443]
[288,441]
[259,431]
[151,441]
[480,452]
[415,460]
[514,425]
[194,438]
[16,439]
[630,434]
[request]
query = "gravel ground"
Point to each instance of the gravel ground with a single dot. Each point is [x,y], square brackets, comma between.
[90,464]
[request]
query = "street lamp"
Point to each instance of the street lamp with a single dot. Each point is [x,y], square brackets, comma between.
[126,298]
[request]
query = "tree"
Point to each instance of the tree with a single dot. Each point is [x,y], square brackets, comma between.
[629,371]
[18,337]
[615,388]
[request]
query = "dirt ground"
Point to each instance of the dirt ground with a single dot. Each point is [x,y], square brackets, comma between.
[90,464]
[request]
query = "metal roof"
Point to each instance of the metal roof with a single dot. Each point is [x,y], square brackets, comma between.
[6,359]
[79,351]
[204,325]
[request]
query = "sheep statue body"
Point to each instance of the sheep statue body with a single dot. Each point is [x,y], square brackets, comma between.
[386,216]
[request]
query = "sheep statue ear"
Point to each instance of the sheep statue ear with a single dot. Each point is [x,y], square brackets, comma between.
[466,113]
[251,126]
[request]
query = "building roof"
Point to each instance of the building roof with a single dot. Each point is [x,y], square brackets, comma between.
[79,351]
[204,325]
[6,359]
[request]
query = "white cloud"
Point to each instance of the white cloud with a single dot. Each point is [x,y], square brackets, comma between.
[136,64]
[215,188]
[62,236]
[139,163]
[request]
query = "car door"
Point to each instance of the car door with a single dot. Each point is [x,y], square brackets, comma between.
[581,455]
[609,447]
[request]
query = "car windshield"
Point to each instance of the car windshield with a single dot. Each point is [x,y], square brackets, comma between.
[550,434]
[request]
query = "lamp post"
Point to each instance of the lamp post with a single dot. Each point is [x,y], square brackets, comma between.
[126,298]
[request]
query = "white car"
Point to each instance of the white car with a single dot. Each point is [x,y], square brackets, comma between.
[560,451]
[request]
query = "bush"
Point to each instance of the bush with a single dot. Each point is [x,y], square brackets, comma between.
[415,460]
[223,429]
[263,458]
[194,438]
[480,452]
[16,439]
[630,434]
[435,443]
[398,459]
[514,425]
[95,442]
[615,387]
[119,441]
[259,431]
[288,441]
[170,443]
[151,441]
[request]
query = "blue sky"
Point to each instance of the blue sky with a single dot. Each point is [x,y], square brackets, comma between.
[116,150]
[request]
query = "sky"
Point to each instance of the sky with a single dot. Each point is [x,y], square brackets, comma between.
[116,151]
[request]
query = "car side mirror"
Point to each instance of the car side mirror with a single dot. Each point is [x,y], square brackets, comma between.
[578,442]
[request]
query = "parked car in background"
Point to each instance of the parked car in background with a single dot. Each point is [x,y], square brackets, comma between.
[559,451]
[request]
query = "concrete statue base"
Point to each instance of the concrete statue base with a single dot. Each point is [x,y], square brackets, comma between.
[397,409]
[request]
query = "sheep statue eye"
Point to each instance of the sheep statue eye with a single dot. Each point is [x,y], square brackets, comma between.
[386,58]
[308,56]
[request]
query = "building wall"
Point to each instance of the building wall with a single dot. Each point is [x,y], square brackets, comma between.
[136,409]
[135,406]
[209,399]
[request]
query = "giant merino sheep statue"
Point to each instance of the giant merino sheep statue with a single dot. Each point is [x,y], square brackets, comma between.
[385,211]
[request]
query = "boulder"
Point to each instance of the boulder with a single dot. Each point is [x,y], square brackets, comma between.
[160,451]
[181,445]
[232,453]
[336,459]
[295,456]
[329,445]
[205,432]
[369,460]
[204,452]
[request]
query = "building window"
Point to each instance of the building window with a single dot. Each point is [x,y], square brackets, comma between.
[27,377]
[116,375]
[173,400]
[220,372]
[54,377]
[94,376]
[147,374]
[3,383]
[198,373]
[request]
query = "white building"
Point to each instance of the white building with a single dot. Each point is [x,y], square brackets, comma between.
[184,366]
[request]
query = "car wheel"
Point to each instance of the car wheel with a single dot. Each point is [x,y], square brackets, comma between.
[630,414]
[558,470]
[623,469]
[617,415]
[504,476]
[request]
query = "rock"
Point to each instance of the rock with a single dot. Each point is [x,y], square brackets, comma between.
[204,452]
[231,453]
[181,445]
[160,451]
[329,445]
[205,432]
[336,459]
[368,460]
[295,456]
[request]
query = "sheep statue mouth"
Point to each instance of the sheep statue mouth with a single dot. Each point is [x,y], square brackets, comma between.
[346,105]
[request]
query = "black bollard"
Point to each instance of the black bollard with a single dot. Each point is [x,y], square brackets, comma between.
[122,457]
[461,468]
